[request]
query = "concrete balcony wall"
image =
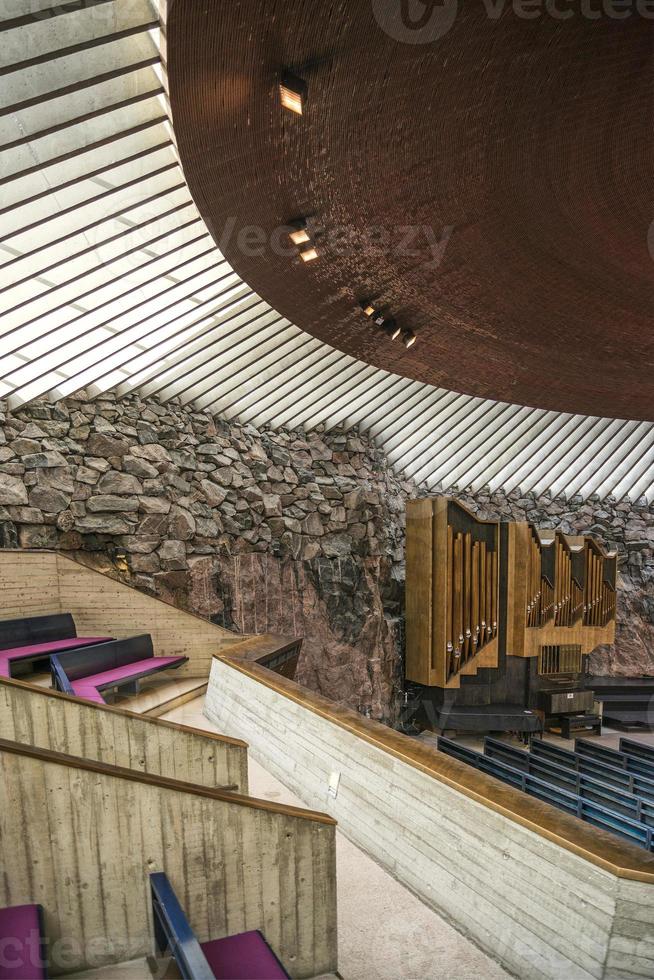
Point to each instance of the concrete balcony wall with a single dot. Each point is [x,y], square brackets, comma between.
[493,868]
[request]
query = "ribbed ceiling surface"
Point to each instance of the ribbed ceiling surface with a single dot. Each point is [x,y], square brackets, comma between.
[110,279]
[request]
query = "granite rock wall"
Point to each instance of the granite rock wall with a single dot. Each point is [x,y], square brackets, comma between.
[260,531]
[267,531]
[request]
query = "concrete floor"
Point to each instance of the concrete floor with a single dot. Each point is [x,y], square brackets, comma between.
[384,931]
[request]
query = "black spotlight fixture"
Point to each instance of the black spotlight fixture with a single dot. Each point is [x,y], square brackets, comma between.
[391,329]
[293,92]
[408,338]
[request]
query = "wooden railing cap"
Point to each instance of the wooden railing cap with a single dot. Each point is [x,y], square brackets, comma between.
[162,782]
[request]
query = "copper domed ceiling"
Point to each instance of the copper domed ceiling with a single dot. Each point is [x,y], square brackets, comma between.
[483,177]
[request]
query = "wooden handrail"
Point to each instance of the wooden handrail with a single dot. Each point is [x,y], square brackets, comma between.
[160,722]
[162,782]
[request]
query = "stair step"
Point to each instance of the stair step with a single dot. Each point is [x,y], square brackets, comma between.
[155,699]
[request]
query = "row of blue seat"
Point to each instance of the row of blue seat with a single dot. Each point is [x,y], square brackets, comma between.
[616,814]
[588,787]
[616,757]
[637,749]
[633,783]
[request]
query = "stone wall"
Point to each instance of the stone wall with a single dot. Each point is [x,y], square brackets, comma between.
[260,531]
[267,531]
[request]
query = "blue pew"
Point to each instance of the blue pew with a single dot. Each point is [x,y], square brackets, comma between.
[588,788]
[637,749]
[620,760]
[28,641]
[598,815]
[630,782]
[86,673]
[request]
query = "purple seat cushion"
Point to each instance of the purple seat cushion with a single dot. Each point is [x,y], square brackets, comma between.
[87,691]
[20,935]
[43,649]
[88,687]
[244,957]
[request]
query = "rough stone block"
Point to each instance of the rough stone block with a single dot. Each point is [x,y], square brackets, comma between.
[101,444]
[49,500]
[114,482]
[102,524]
[44,461]
[37,536]
[112,503]
[140,468]
[12,490]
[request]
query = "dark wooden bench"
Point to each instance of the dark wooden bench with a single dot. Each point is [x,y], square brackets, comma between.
[22,943]
[246,956]
[573,724]
[36,638]
[119,664]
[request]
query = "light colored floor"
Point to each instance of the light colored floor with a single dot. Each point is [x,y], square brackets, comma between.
[384,931]
[134,970]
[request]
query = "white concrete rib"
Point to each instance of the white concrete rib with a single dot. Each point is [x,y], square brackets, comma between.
[109,279]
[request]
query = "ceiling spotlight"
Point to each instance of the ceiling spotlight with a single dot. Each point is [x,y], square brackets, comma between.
[300,236]
[368,308]
[408,338]
[391,329]
[293,93]
[308,254]
[300,233]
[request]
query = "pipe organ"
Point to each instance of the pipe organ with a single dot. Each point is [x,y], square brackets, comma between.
[599,588]
[495,611]
[472,599]
[452,602]
[560,589]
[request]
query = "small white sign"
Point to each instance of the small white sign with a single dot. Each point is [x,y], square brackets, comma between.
[334,782]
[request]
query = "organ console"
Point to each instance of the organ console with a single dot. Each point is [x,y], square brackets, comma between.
[496,613]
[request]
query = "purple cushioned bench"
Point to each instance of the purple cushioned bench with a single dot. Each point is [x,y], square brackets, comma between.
[88,671]
[246,956]
[90,687]
[38,651]
[21,943]
[37,637]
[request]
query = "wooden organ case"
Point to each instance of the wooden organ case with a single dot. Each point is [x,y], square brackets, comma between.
[500,617]
[560,591]
[452,592]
